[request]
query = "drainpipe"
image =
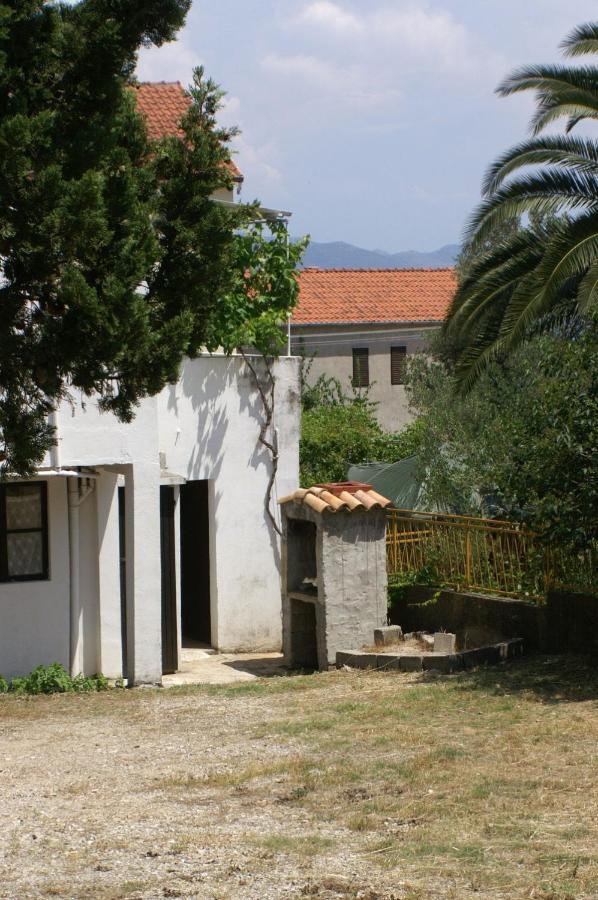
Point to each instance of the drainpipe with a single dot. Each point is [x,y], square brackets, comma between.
[76,496]
[55,448]
[75,596]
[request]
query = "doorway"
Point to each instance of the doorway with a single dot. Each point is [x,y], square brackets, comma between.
[196,626]
[167,555]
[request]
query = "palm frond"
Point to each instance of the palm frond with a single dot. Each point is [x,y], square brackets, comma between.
[582,40]
[551,192]
[550,268]
[587,293]
[572,105]
[571,251]
[550,79]
[489,285]
[574,153]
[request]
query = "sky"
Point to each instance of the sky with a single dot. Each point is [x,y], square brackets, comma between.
[373,121]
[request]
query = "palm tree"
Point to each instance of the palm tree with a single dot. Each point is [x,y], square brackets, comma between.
[549,260]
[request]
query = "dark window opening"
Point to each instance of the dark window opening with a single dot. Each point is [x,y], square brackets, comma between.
[361,367]
[398,364]
[24,531]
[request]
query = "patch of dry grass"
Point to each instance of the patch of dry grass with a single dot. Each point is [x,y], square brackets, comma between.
[343,784]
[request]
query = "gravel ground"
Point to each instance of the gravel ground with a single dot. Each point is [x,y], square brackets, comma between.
[134,795]
[256,791]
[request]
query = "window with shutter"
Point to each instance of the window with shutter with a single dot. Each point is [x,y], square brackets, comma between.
[398,361]
[361,367]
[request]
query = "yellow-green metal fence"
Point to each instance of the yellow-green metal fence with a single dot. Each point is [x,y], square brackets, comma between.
[483,555]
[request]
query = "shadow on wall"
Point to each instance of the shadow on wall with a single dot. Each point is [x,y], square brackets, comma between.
[250,402]
[204,391]
[217,393]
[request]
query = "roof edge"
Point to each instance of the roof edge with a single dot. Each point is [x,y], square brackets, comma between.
[318,323]
[394,269]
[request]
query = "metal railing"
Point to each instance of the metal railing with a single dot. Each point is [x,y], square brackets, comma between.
[465,553]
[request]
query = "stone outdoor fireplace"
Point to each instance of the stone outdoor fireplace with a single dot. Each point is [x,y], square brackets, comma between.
[334,571]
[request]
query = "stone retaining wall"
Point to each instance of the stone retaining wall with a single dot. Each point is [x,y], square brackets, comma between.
[567,622]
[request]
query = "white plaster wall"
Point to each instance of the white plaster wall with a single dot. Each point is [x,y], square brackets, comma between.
[209,428]
[89,437]
[207,425]
[34,615]
[110,644]
[89,580]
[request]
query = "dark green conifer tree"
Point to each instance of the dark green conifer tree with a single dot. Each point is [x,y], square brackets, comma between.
[112,255]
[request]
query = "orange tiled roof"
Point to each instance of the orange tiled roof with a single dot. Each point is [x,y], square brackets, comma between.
[163,104]
[374,295]
[322,500]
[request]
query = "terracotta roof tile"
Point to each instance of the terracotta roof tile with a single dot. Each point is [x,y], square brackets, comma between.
[163,104]
[320,499]
[373,295]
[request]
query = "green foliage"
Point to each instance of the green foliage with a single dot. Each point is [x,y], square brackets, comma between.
[53,679]
[113,254]
[533,242]
[338,429]
[522,443]
[400,584]
[263,292]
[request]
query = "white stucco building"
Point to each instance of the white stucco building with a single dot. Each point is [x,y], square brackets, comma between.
[133,539]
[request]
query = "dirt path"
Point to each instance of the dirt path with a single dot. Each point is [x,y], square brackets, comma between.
[338,785]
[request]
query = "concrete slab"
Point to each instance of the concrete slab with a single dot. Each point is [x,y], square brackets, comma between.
[205,666]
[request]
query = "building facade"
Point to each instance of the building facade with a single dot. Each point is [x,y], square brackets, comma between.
[361,325]
[134,540]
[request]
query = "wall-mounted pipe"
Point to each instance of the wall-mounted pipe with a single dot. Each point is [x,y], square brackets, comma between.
[54,421]
[74,593]
[77,493]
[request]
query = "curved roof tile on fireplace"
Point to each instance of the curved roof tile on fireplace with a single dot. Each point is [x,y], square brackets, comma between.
[322,500]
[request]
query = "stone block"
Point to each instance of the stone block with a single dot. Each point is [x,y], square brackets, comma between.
[388,661]
[355,659]
[443,662]
[388,635]
[444,642]
[482,656]
[411,662]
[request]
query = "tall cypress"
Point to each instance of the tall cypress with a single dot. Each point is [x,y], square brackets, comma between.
[112,255]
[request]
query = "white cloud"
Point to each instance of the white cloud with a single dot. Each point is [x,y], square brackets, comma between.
[350,58]
[256,160]
[430,35]
[406,33]
[348,85]
[329,15]
[171,62]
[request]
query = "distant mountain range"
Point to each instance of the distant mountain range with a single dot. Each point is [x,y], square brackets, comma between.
[339,255]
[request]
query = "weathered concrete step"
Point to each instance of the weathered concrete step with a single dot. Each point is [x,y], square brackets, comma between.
[443,662]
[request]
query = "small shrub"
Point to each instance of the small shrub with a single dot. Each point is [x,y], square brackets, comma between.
[53,679]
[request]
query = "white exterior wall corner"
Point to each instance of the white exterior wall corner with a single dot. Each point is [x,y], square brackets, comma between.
[207,425]
[209,429]
[34,615]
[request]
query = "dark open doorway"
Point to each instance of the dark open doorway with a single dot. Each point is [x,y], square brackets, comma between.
[195,564]
[123,578]
[169,612]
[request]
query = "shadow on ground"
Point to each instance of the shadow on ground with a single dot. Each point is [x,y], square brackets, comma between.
[550,679]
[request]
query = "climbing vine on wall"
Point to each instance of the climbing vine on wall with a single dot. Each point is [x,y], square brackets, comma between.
[252,318]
